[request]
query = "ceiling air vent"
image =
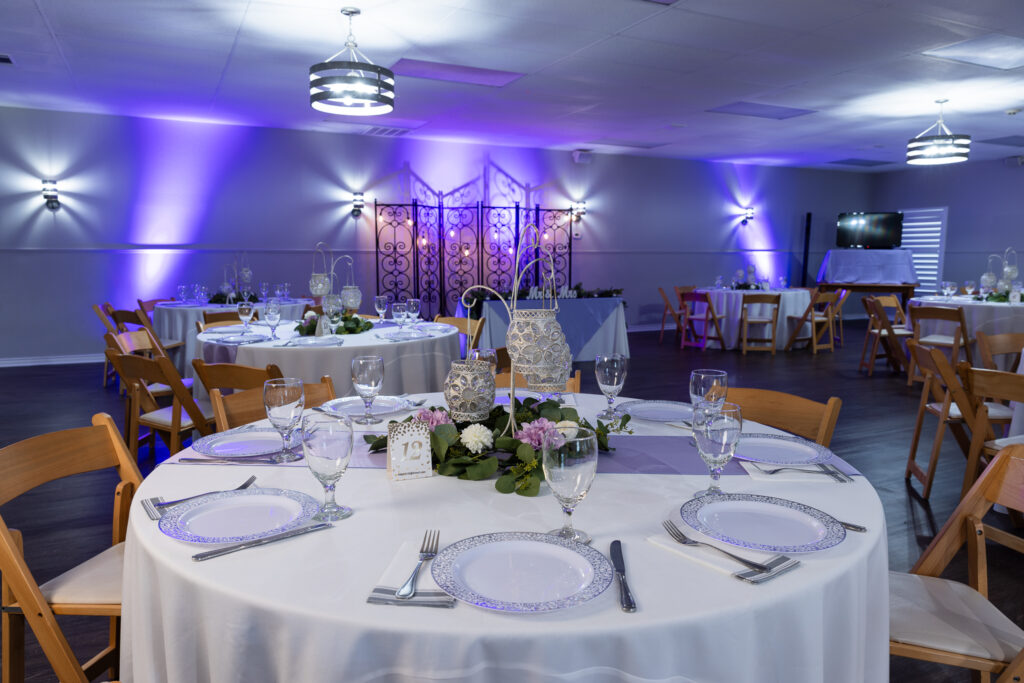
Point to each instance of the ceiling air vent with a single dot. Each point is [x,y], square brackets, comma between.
[386,132]
[6,59]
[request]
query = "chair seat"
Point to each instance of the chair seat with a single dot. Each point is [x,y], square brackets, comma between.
[172,343]
[997,412]
[1000,444]
[97,581]
[897,331]
[946,615]
[937,340]
[162,418]
[158,388]
[763,321]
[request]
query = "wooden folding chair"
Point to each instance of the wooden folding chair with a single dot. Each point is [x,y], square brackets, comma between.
[203,327]
[992,345]
[467,326]
[245,407]
[692,315]
[165,344]
[954,342]
[844,294]
[765,343]
[982,387]
[149,305]
[92,588]
[882,334]
[788,412]
[945,621]
[819,317]
[670,310]
[944,397]
[503,380]
[124,320]
[109,326]
[682,290]
[167,422]
[504,360]
[227,316]
[232,375]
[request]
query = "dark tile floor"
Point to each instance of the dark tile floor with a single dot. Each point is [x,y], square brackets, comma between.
[67,521]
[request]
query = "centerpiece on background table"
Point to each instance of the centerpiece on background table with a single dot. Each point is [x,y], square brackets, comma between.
[321,284]
[350,324]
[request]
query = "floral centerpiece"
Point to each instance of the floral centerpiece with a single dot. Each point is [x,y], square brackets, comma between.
[350,324]
[469,450]
[222,298]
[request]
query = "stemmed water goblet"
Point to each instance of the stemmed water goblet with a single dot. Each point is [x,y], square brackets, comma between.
[197,294]
[284,399]
[412,310]
[272,316]
[264,290]
[245,311]
[970,286]
[610,370]
[569,461]
[333,310]
[380,304]
[949,289]
[708,385]
[716,429]
[183,293]
[367,378]
[327,445]
[398,311]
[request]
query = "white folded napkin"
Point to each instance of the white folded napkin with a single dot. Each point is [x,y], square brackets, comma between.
[710,558]
[805,473]
[427,592]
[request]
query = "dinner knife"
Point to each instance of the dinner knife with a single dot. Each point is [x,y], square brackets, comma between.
[625,596]
[210,554]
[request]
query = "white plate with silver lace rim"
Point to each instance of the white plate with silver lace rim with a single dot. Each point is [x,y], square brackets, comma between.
[324,340]
[353,406]
[224,330]
[247,443]
[436,328]
[780,449]
[775,525]
[238,516]
[249,338]
[657,411]
[521,571]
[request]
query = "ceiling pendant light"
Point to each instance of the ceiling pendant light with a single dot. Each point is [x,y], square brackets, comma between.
[942,148]
[352,85]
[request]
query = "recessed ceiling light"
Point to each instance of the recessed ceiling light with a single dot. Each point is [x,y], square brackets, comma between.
[993,50]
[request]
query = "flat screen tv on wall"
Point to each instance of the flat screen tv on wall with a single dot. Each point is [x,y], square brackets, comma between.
[869,230]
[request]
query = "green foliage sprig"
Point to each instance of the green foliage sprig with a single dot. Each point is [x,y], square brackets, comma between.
[350,324]
[222,298]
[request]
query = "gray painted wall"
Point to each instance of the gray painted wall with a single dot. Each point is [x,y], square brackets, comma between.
[148,204]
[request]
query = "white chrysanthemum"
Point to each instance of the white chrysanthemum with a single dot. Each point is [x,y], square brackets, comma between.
[567,428]
[309,314]
[476,438]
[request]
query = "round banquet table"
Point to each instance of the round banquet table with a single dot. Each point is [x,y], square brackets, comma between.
[412,366]
[729,306]
[296,610]
[979,316]
[175,320]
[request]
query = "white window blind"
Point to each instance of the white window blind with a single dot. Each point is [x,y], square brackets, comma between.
[924,233]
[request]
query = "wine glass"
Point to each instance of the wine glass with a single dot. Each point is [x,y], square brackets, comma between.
[272,316]
[327,445]
[716,429]
[489,355]
[380,304]
[284,400]
[569,461]
[197,294]
[970,286]
[949,289]
[245,310]
[183,293]
[412,310]
[610,370]
[333,310]
[264,290]
[708,385]
[286,290]
[398,313]
[367,378]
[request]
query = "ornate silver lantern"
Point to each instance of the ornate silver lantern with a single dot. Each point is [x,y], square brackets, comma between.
[469,390]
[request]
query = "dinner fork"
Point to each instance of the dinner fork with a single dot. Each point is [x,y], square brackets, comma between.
[776,470]
[155,507]
[679,537]
[167,503]
[428,551]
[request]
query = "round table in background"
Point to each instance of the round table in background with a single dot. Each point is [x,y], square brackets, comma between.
[729,306]
[297,610]
[174,320]
[413,366]
[979,316]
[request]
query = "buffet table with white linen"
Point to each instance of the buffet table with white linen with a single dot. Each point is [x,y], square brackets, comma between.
[591,326]
[412,366]
[868,266]
[177,320]
[297,610]
[729,307]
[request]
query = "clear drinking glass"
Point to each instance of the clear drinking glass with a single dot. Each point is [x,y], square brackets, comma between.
[716,429]
[783,283]
[398,313]
[197,294]
[970,286]
[286,287]
[708,385]
[183,293]
[264,290]
[333,310]
[204,295]
[569,460]
[489,355]
[367,378]
[272,316]
[949,289]
[245,310]
[380,304]
[610,370]
[327,445]
[284,400]
[412,310]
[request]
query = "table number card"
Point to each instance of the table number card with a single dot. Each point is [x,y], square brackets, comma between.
[409,455]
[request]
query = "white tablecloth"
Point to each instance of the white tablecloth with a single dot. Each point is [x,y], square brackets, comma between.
[729,306]
[176,321]
[297,611]
[868,266]
[591,326]
[409,366]
[979,316]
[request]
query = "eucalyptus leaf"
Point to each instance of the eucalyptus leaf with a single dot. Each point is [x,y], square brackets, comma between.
[551,412]
[526,453]
[506,443]
[506,483]
[529,486]
[439,445]
[570,414]
[483,469]
[449,470]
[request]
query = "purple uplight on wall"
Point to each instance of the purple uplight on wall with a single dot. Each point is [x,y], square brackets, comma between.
[747,217]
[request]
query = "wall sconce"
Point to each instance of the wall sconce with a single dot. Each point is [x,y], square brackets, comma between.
[50,195]
[748,215]
[579,210]
[357,203]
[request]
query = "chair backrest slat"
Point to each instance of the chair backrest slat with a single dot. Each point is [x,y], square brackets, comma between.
[243,407]
[232,375]
[795,414]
